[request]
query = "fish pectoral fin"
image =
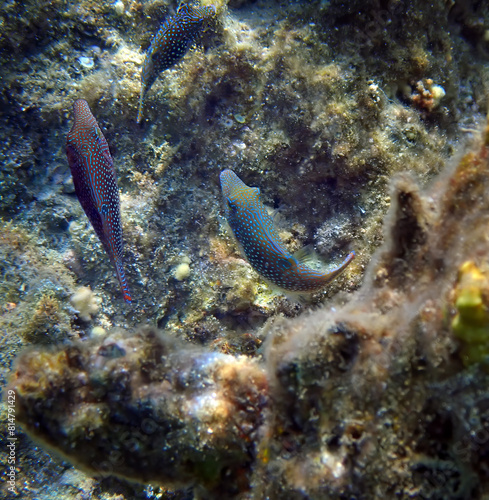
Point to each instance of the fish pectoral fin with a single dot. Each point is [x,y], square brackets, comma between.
[183,6]
[306,255]
[254,193]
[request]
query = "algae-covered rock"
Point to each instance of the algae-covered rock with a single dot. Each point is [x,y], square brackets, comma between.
[142,407]
[338,398]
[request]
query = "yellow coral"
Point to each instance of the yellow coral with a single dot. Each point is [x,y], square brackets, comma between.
[471,323]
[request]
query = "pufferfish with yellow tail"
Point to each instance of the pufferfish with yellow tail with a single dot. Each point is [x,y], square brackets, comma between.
[254,229]
[170,44]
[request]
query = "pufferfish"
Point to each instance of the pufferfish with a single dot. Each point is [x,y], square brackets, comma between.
[170,44]
[254,229]
[95,183]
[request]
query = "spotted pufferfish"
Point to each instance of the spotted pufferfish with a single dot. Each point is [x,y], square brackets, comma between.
[170,44]
[95,183]
[254,229]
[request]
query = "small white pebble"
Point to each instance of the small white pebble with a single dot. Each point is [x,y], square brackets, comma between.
[119,7]
[97,330]
[86,62]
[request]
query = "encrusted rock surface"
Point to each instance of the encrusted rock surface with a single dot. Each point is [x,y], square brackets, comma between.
[340,113]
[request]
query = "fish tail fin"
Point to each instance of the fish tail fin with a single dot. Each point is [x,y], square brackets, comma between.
[140,109]
[140,112]
[338,270]
[123,282]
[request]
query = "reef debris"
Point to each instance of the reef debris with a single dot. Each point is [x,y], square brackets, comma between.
[85,303]
[427,95]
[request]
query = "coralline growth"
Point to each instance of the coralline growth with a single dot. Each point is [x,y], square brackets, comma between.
[471,323]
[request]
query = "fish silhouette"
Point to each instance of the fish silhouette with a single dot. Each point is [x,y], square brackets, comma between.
[254,229]
[170,44]
[95,183]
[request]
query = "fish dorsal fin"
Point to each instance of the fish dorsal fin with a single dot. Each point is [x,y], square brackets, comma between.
[184,6]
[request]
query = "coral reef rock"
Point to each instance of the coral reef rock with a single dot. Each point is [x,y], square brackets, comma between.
[141,407]
[366,400]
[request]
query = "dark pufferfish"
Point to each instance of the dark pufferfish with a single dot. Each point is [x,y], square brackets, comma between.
[256,234]
[170,44]
[95,183]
